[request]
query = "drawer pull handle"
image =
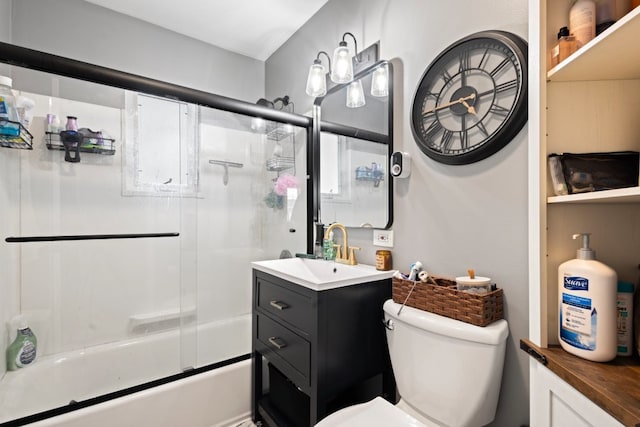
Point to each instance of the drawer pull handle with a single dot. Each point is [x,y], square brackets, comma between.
[277,342]
[279,305]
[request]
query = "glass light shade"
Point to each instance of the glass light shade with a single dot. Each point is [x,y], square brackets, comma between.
[316,81]
[355,95]
[342,71]
[258,125]
[380,81]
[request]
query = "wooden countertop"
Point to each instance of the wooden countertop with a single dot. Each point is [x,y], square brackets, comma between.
[614,386]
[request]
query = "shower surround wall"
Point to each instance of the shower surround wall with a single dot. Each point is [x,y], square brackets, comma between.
[9,169]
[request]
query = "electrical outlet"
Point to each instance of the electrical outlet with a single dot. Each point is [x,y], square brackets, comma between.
[383,238]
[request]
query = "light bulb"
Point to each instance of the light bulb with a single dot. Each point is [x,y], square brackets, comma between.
[258,125]
[316,80]
[355,95]
[380,81]
[342,71]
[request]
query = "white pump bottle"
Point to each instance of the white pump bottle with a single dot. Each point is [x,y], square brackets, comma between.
[587,306]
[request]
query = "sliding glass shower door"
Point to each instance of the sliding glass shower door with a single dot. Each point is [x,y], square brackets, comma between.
[127,241]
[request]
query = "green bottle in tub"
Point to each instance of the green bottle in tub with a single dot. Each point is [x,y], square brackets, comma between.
[22,351]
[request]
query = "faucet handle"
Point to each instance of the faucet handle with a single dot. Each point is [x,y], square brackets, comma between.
[352,254]
[338,251]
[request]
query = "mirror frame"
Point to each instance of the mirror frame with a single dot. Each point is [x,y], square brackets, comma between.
[349,131]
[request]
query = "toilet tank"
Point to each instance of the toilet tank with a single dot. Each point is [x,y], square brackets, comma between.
[447,371]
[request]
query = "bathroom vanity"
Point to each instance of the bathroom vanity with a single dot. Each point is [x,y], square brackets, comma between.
[322,340]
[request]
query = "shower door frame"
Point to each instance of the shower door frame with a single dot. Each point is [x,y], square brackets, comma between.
[45,62]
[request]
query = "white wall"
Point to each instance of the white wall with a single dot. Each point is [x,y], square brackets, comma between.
[449,217]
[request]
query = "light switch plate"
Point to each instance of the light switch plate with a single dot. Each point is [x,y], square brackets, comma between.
[383,238]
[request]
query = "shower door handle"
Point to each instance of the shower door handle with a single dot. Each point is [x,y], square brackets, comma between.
[279,305]
[277,342]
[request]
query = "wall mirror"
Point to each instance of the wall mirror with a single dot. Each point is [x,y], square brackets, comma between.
[352,147]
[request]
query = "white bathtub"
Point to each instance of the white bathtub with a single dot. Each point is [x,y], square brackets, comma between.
[217,397]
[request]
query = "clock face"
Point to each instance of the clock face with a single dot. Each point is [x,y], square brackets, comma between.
[472,99]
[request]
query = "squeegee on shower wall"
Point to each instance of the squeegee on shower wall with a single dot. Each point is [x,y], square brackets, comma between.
[226,165]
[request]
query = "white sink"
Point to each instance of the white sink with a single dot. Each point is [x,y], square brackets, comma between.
[318,274]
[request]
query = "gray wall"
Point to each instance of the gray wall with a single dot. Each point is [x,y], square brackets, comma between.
[90,33]
[449,217]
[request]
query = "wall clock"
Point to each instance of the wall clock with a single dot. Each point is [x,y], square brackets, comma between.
[472,99]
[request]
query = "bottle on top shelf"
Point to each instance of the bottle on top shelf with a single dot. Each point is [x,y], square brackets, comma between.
[565,47]
[582,21]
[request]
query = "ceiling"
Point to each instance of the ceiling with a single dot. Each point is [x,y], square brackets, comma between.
[255,28]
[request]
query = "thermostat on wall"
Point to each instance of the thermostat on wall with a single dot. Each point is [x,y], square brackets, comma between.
[400,164]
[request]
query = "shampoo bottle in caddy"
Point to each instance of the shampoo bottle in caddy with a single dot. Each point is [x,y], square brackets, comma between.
[587,292]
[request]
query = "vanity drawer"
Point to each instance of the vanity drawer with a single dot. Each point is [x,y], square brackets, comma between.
[292,307]
[292,348]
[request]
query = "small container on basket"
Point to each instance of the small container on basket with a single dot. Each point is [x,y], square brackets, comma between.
[445,300]
[475,285]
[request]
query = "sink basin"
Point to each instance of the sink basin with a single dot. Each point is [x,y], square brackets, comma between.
[319,274]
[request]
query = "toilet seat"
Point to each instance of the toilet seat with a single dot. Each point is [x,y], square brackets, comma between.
[375,413]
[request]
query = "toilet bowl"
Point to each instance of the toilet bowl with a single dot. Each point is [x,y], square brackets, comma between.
[448,373]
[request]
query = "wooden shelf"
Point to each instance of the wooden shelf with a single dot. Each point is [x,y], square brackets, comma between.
[613,385]
[621,195]
[613,55]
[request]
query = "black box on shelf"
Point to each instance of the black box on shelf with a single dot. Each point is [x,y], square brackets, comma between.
[580,173]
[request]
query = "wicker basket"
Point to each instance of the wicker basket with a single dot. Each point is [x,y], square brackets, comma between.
[444,299]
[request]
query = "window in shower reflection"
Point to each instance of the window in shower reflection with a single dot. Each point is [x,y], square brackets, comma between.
[161,146]
[353,181]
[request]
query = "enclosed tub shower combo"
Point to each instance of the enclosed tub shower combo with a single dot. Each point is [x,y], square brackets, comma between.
[127,237]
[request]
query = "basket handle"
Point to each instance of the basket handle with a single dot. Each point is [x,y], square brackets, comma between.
[407,298]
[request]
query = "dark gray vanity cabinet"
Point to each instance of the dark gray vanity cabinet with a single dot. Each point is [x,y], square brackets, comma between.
[324,350]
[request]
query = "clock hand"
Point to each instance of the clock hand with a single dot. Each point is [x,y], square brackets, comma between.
[449,104]
[470,108]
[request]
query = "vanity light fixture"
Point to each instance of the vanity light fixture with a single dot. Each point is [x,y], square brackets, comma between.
[380,81]
[342,70]
[355,94]
[317,80]
[342,64]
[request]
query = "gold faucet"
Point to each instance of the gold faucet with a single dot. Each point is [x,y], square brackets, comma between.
[347,254]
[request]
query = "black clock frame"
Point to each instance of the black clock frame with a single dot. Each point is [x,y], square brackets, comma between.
[512,123]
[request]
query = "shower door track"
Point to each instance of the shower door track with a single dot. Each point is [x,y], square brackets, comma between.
[75,405]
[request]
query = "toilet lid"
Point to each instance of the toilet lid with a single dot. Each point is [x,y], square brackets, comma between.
[377,412]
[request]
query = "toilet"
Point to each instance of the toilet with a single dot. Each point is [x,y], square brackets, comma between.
[448,373]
